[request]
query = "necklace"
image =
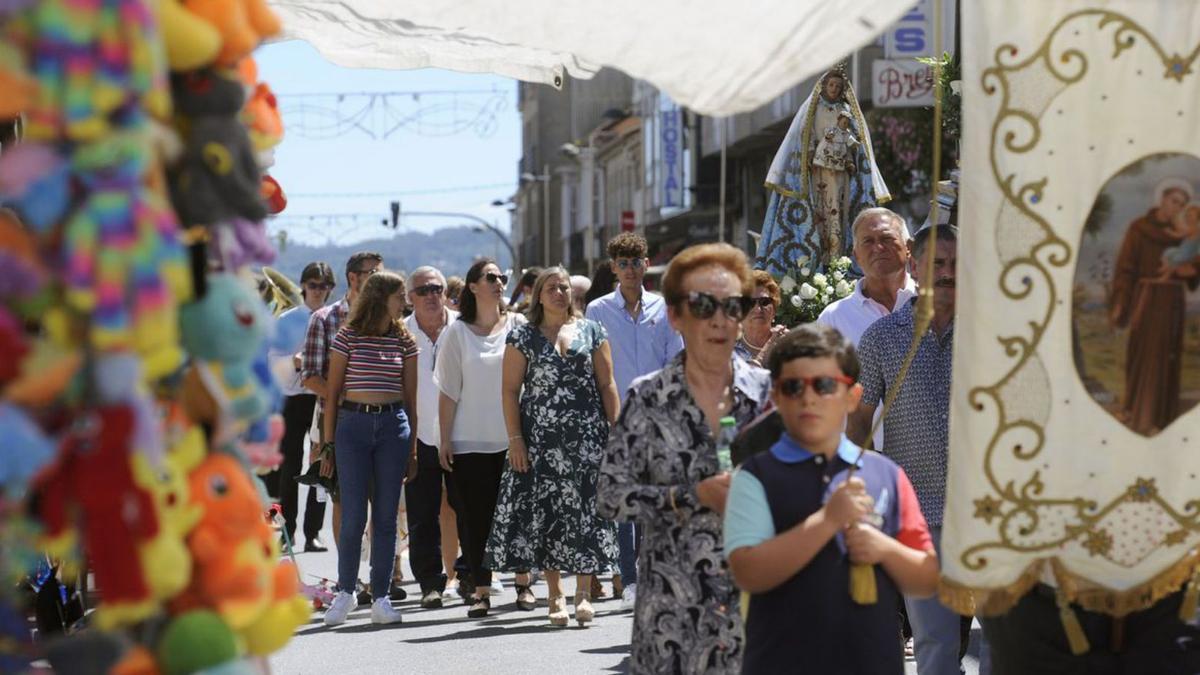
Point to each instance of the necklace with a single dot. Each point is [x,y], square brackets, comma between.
[746,341]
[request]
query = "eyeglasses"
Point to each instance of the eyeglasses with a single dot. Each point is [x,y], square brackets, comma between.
[318,285]
[369,272]
[824,385]
[636,263]
[703,305]
[429,289]
[763,302]
[492,277]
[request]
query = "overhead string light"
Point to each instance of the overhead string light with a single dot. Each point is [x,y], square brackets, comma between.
[379,115]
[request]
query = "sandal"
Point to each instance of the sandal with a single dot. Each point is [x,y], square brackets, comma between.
[479,607]
[558,610]
[526,600]
[598,589]
[583,608]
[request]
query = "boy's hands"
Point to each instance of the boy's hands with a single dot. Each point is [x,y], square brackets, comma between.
[867,545]
[848,503]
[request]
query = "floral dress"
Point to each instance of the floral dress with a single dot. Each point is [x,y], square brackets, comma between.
[686,618]
[546,517]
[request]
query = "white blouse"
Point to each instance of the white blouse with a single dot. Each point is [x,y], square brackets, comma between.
[469,369]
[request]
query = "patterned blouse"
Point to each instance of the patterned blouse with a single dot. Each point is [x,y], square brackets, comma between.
[686,619]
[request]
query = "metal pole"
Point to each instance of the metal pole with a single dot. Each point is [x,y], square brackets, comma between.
[546,215]
[721,199]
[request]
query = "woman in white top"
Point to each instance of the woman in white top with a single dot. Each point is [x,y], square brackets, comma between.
[474,438]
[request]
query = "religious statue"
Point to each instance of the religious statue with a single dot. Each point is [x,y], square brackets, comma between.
[823,174]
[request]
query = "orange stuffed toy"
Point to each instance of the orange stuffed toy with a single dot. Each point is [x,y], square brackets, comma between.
[243,24]
[231,545]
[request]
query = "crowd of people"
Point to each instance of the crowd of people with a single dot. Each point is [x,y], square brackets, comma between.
[572,428]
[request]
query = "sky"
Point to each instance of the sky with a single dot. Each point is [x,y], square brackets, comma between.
[421,163]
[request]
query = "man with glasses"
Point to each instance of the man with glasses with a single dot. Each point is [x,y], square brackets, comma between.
[322,327]
[423,495]
[917,427]
[642,342]
[316,284]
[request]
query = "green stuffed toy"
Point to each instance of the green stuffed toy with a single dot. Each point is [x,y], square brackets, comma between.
[196,641]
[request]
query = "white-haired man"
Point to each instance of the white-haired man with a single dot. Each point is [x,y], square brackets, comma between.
[423,495]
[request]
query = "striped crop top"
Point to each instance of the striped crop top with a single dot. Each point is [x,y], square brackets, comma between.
[374,363]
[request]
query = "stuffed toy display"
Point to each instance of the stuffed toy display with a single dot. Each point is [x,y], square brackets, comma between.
[91,488]
[272,194]
[238,242]
[95,63]
[191,41]
[242,25]
[224,332]
[218,176]
[36,181]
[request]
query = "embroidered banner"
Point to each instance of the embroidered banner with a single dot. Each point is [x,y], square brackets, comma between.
[1075,436]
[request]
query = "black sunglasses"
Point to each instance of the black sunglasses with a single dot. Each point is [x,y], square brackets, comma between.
[763,302]
[703,305]
[429,289]
[317,285]
[824,385]
[492,277]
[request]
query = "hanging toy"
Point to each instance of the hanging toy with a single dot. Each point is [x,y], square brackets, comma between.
[191,41]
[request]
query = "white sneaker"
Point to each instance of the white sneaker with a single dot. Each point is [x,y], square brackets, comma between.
[497,587]
[629,598]
[451,590]
[340,608]
[383,612]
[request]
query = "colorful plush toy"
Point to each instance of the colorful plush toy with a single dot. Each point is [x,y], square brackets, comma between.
[218,176]
[191,41]
[19,89]
[97,64]
[238,242]
[195,641]
[91,488]
[230,546]
[223,332]
[288,610]
[166,557]
[125,264]
[22,273]
[242,24]
[36,181]
[272,194]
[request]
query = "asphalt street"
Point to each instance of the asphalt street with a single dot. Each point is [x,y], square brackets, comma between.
[446,642]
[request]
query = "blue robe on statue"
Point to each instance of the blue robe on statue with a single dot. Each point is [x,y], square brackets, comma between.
[795,225]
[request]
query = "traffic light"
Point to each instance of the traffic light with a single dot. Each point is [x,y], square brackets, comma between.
[395,214]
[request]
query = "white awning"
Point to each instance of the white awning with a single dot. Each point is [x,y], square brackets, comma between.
[717,58]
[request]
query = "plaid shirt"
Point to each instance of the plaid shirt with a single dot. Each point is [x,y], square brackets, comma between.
[322,327]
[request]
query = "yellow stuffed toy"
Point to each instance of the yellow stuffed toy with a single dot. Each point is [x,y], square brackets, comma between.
[166,557]
[191,42]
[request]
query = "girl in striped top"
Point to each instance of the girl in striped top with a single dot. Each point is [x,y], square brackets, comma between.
[373,375]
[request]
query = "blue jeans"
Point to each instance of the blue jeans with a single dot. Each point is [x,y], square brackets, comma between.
[371,452]
[936,631]
[627,549]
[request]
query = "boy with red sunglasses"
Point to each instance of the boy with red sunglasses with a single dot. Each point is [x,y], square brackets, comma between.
[798,517]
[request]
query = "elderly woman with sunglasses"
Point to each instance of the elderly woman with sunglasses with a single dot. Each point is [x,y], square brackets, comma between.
[758,329]
[661,470]
[474,439]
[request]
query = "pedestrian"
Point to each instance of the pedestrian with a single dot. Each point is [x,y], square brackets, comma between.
[580,285]
[795,523]
[916,428]
[424,495]
[559,400]
[642,341]
[316,285]
[759,331]
[454,286]
[603,283]
[473,436]
[520,296]
[373,380]
[661,469]
[323,325]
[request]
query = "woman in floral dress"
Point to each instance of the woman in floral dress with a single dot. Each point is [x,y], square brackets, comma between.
[559,399]
[660,469]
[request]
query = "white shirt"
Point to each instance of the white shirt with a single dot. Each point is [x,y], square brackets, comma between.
[469,369]
[427,391]
[854,314]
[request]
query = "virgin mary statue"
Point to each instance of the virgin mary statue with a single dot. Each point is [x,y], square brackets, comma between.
[814,197]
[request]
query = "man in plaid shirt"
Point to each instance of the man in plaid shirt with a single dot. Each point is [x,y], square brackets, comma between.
[323,325]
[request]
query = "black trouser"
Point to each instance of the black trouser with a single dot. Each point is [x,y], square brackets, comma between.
[1029,640]
[297,418]
[423,497]
[477,481]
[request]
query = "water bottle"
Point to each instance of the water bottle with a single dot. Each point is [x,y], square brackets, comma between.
[725,442]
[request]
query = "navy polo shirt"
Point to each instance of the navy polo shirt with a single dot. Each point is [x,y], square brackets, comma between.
[809,622]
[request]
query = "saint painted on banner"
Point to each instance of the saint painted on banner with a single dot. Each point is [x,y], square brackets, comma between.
[823,174]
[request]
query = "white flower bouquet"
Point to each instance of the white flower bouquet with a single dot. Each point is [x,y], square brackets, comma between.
[806,292]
